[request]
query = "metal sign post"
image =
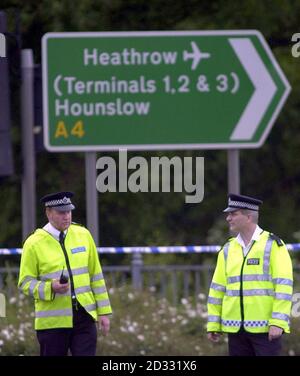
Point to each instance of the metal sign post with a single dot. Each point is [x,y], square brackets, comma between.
[91,195]
[28,178]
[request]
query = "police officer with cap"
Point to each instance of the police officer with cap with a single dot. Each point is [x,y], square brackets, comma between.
[250,295]
[60,269]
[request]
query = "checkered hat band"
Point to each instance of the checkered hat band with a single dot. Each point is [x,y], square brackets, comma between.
[60,202]
[243,205]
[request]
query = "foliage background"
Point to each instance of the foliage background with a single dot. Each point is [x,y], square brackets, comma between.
[142,324]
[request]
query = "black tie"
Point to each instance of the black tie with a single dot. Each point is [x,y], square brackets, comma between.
[61,237]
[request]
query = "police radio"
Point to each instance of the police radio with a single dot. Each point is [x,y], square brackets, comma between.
[63,278]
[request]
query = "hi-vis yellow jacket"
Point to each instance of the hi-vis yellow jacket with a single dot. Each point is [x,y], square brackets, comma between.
[254,291]
[43,260]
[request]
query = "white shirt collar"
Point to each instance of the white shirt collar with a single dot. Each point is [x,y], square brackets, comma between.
[255,236]
[53,231]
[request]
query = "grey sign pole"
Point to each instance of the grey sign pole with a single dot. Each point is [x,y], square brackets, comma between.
[27,119]
[6,155]
[233,158]
[91,195]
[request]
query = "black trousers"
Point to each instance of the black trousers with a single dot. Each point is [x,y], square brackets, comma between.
[81,340]
[252,344]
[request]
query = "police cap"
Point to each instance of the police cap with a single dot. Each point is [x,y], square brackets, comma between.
[236,202]
[60,201]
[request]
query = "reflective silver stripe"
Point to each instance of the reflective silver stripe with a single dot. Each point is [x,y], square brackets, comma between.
[212,300]
[212,318]
[282,296]
[231,322]
[99,290]
[96,277]
[281,316]
[233,292]
[259,292]
[81,290]
[267,254]
[78,271]
[217,287]
[103,303]
[41,290]
[253,292]
[250,277]
[54,275]
[283,281]
[25,280]
[257,277]
[225,250]
[53,313]
[234,279]
[90,307]
[256,323]
[32,285]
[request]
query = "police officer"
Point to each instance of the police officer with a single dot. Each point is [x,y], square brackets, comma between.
[251,291]
[60,269]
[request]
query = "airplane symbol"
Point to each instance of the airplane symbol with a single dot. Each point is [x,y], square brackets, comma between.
[196,55]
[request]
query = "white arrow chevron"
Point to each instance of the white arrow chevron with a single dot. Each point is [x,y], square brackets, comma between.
[265,89]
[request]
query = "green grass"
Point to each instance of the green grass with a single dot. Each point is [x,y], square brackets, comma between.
[141,324]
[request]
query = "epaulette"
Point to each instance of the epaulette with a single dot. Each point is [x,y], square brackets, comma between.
[77,224]
[31,233]
[227,241]
[277,239]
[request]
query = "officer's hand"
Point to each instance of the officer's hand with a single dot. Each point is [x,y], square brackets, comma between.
[104,324]
[274,332]
[59,288]
[214,336]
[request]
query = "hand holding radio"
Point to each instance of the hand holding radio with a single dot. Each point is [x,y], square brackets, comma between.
[61,285]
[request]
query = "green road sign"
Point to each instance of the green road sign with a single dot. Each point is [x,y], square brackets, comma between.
[159,90]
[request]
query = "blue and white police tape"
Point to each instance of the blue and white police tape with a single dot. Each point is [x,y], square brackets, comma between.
[167,249]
